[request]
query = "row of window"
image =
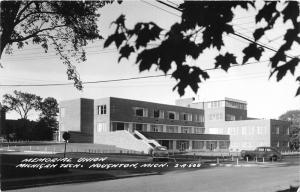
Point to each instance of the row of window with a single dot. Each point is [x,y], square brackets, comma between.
[284,131]
[143,112]
[215,104]
[236,105]
[231,104]
[117,126]
[216,116]
[243,130]
[184,145]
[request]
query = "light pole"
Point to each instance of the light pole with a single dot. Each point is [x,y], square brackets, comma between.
[66,136]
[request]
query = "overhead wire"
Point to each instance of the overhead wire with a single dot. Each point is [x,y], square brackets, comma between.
[143,77]
[253,41]
[115,80]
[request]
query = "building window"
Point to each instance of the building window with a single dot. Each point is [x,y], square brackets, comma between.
[186,129]
[230,117]
[140,112]
[224,144]
[101,110]
[156,128]
[140,127]
[158,114]
[244,130]
[187,117]
[287,131]
[173,115]
[172,129]
[101,127]
[62,112]
[277,130]
[198,130]
[201,118]
[119,126]
[197,144]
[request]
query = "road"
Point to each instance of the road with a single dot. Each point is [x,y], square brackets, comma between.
[221,179]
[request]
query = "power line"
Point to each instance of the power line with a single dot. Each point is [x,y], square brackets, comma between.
[114,80]
[248,39]
[160,8]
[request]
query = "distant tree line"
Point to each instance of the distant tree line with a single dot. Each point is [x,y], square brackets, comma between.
[294,117]
[24,129]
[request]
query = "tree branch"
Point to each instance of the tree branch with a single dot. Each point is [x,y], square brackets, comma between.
[36,33]
[33,13]
[17,20]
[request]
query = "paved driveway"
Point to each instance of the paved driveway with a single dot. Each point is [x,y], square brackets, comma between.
[246,179]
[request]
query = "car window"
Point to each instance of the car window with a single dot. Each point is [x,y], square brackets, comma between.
[261,149]
[268,149]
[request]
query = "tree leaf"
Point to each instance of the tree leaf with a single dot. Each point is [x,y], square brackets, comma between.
[188,76]
[258,33]
[146,58]
[125,51]
[119,38]
[279,56]
[298,92]
[225,61]
[291,11]
[146,33]
[266,12]
[109,40]
[289,66]
[252,51]
[120,20]
[291,35]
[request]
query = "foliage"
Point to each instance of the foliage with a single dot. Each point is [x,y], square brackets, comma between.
[48,107]
[294,117]
[21,102]
[202,27]
[48,117]
[23,129]
[66,136]
[62,25]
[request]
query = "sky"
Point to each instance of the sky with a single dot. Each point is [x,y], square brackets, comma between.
[266,97]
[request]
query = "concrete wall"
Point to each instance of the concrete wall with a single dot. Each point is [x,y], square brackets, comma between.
[77,118]
[103,119]
[123,139]
[244,135]
[69,120]
[248,134]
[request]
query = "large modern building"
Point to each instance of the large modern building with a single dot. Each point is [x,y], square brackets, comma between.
[229,117]
[138,125]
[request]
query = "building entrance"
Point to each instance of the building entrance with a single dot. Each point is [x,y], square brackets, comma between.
[182,145]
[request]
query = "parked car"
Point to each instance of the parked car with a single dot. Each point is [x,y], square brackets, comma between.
[269,153]
[160,153]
